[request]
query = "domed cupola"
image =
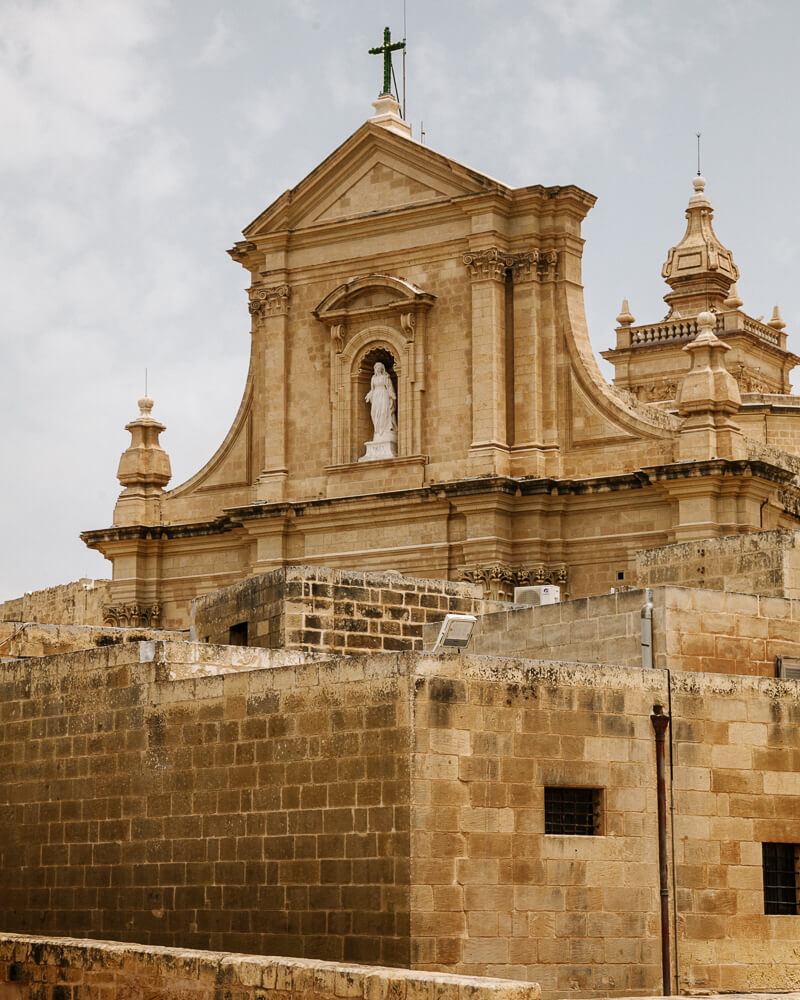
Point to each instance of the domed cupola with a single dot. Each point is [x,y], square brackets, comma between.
[699,270]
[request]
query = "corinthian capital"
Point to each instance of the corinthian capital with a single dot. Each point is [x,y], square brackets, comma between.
[269,301]
[490,263]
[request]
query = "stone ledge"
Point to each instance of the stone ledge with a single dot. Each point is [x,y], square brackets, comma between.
[87,966]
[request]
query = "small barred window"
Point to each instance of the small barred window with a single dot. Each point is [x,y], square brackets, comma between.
[781,888]
[572,811]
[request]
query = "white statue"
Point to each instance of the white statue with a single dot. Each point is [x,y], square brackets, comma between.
[381,398]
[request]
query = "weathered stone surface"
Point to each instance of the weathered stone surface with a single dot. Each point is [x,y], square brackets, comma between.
[389,808]
[103,970]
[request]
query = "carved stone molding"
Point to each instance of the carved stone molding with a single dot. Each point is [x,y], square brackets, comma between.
[269,301]
[408,324]
[499,579]
[493,263]
[132,615]
[749,380]
[337,337]
[655,392]
[490,263]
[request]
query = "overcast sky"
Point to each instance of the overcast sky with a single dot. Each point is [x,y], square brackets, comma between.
[138,137]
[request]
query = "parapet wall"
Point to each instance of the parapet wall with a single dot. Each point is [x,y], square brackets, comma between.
[21,639]
[314,608]
[693,629]
[762,562]
[72,969]
[78,603]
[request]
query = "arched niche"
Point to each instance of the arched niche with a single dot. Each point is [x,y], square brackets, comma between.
[382,317]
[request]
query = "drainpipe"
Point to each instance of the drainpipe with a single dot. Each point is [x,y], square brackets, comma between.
[647,630]
[660,724]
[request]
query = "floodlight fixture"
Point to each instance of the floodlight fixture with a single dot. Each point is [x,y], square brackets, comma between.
[455,632]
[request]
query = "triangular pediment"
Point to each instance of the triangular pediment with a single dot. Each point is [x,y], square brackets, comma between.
[382,185]
[373,171]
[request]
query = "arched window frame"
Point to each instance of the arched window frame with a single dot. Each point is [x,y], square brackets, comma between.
[393,320]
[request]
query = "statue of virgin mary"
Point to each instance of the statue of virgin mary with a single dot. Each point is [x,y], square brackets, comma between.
[382,399]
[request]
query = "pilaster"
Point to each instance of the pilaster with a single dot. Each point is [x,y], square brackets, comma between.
[488,454]
[534,372]
[269,309]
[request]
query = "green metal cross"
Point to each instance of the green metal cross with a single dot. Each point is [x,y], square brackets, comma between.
[386,50]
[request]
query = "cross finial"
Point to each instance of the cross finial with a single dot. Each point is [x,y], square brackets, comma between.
[386,51]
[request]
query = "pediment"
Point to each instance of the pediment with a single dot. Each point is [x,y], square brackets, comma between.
[372,294]
[383,185]
[373,171]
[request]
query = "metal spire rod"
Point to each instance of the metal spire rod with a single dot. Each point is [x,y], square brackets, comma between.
[698,134]
[404,61]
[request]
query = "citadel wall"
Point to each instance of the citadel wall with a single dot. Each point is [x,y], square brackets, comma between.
[78,603]
[391,808]
[697,630]
[102,970]
[344,611]
[763,562]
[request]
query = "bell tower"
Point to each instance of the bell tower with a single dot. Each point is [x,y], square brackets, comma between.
[649,360]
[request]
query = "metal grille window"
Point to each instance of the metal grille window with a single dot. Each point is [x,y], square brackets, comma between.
[780,878]
[572,811]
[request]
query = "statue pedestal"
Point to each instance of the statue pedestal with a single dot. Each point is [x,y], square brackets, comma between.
[377,450]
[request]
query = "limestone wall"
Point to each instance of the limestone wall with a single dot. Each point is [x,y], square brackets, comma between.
[157,798]
[305,607]
[389,808]
[764,562]
[693,629]
[78,603]
[592,630]
[736,750]
[493,892]
[18,638]
[99,970]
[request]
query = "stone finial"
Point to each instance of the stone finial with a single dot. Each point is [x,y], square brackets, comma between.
[144,470]
[625,318]
[699,269]
[706,399]
[777,320]
[145,405]
[734,300]
[387,115]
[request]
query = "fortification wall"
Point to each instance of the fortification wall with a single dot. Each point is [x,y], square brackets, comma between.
[32,639]
[78,603]
[172,794]
[693,629]
[391,808]
[762,562]
[99,970]
[314,608]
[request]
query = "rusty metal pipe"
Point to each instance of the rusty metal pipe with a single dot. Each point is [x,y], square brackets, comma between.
[660,725]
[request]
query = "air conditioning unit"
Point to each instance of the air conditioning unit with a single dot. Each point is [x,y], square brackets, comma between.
[537,596]
[787,668]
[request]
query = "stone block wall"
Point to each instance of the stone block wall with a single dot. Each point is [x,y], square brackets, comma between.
[736,753]
[390,808]
[31,639]
[69,969]
[693,629]
[763,562]
[78,603]
[303,607]
[590,630]
[491,891]
[257,810]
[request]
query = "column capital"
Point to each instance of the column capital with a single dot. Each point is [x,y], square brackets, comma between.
[492,263]
[272,300]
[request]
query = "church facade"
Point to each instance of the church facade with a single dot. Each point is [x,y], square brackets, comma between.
[491,449]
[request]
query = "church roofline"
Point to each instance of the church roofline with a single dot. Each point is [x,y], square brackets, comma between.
[481,184]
